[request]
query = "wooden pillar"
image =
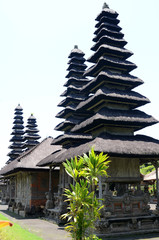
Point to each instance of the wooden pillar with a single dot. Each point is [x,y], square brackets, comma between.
[50,182]
[157,187]
[10,184]
[155,163]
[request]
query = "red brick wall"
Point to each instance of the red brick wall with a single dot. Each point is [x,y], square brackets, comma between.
[40,185]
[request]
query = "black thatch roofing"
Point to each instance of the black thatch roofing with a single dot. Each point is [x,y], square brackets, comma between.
[105,63]
[76,65]
[108,40]
[76,98]
[111,27]
[49,159]
[67,124]
[76,59]
[76,81]
[29,159]
[18,135]
[71,90]
[107,12]
[138,146]
[108,20]
[128,81]
[107,32]
[66,112]
[122,53]
[131,98]
[76,51]
[69,138]
[74,72]
[133,118]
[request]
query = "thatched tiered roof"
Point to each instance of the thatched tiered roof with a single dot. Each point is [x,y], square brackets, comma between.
[111,98]
[110,114]
[73,97]
[138,146]
[17,139]
[31,133]
[29,159]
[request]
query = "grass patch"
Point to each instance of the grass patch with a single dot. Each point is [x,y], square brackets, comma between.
[16,232]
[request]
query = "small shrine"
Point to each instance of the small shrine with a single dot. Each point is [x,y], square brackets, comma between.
[108,120]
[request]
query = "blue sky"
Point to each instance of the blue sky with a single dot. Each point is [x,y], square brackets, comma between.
[36,39]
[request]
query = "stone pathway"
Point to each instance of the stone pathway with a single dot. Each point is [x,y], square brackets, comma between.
[42,228]
[50,231]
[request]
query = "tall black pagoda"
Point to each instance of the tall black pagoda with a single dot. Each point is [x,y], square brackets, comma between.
[17,139]
[72,97]
[31,133]
[112,118]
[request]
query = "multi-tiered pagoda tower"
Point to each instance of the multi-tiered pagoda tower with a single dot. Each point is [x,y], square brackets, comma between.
[112,119]
[31,133]
[17,139]
[72,97]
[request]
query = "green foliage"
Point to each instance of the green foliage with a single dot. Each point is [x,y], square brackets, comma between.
[146,169]
[94,166]
[84,207]
[16,232]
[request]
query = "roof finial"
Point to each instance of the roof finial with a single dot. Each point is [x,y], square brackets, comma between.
[76,46]
[105,5]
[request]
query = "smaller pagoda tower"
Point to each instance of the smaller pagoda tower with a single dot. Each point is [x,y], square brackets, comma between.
[72,97]
[31,133]
[17,146]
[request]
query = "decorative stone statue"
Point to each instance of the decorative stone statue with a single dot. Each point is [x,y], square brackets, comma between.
[49,202]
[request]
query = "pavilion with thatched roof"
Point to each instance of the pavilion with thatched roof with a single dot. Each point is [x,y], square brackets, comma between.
[27,184]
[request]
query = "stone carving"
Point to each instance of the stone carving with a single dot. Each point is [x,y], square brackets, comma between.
[102,226]
[49,202]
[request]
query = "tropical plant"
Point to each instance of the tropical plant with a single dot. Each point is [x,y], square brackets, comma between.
[84,207]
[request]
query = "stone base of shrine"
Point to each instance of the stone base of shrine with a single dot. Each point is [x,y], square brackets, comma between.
[127,225]
[22,213]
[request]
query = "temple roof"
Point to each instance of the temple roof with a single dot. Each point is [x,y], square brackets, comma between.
[105,63]
[134,119]
[138,146]
[107,109]
[108,40]
[76,81]
[75,65]
[106,25]
[72,97]
[120,97]
[106,32]
[65,113]
[122,53]
[49,159]
[68,138]
[75,52]
[127,81]
[107,12]
[72,90]
[107,19]
[67,124]
[30,158]
[19,109]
